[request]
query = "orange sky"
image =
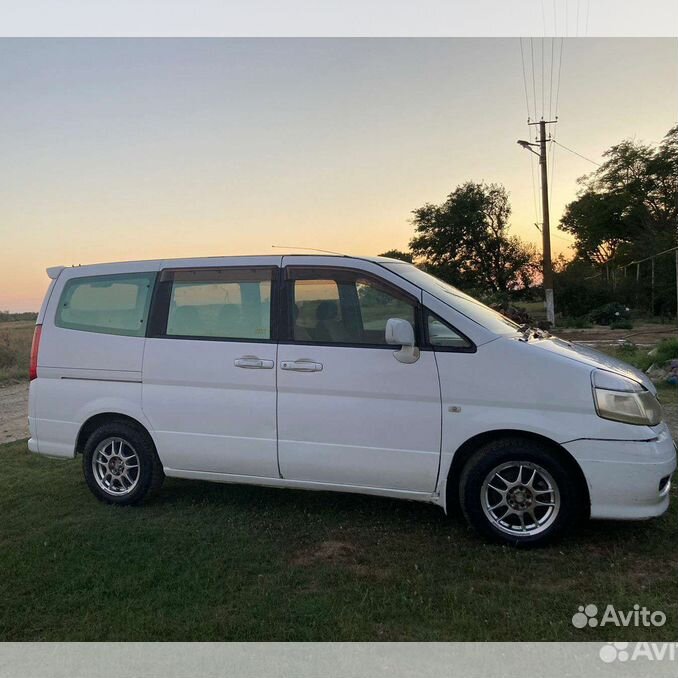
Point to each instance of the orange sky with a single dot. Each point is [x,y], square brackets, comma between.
[132,149]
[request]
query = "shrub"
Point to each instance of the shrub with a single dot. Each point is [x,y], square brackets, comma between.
[577,291]
[665,350]
[609,313]
[621,325]
[628,348]
[7,356]
[579,322]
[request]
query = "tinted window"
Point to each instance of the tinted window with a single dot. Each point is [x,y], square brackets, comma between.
[458,300]
[226,304]
[112,304]
[317,308]
[441,334]
[378,305]
[344,307]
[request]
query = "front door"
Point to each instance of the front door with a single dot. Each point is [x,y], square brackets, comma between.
[349,412]
[209,371]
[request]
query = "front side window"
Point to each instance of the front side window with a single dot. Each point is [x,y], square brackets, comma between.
[344,307]
[109,304]
[441,335]
[458,300]
[219,304]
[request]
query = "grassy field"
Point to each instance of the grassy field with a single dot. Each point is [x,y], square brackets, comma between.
[15,349]
[217,562]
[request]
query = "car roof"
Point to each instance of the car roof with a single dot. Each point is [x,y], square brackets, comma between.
[53,271]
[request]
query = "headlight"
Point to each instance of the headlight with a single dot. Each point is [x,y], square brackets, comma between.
[622,399]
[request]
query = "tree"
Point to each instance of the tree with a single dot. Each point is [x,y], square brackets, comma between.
[627,208]
[465,240]
[398,254]
[627,211]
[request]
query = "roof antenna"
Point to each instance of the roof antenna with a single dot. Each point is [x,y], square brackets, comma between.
[310,249]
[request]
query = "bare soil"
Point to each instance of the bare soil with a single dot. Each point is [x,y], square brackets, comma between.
[13,412]
[642,335]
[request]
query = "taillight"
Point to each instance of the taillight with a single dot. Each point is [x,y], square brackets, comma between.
[35,347]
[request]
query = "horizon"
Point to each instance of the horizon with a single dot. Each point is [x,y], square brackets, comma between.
[151,149]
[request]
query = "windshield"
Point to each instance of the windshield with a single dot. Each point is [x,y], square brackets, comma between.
[483,315]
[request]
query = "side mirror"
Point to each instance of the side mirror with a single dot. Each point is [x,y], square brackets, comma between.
[399,332]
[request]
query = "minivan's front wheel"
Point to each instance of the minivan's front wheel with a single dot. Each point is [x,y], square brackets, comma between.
[517,491]
[120,464]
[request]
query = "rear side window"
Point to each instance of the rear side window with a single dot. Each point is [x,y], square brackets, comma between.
[110,304]
[216,304]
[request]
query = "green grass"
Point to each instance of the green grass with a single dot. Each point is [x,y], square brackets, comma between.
[218,562]
[665,350]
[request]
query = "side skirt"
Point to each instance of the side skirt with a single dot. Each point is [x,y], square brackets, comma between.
[426,497]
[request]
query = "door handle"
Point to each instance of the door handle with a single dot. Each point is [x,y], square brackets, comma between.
[301,366]
[251,362]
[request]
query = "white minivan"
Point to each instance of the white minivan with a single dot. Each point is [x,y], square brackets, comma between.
[339,373]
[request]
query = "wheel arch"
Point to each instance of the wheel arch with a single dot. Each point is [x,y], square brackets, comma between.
[97,420]
[465,451]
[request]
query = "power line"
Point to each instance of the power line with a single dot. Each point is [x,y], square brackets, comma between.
[560,70]
[583,157]
[552,170]
[552,150]
[534,88]
[522,59]
[529,132]
[551,82]
[542,77]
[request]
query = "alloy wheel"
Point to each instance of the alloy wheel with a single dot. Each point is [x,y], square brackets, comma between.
[520,498]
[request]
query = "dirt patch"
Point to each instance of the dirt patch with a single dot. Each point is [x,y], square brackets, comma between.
[13,412]
[641,335]
[329,552]
[340,554]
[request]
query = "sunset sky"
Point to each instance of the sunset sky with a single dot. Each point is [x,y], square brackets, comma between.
[116,149]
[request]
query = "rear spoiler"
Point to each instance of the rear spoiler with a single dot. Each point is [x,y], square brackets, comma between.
[53,272]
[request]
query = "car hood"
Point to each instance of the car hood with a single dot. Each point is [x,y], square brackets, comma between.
[595,359]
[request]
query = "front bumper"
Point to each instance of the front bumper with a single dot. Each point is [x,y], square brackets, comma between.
[627,480]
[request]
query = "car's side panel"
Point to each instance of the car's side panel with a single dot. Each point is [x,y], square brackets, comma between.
[362,418]
[212,400]
[302,485]
[82,373]
[365,419]
[502,387]
[206,413]
[63,405]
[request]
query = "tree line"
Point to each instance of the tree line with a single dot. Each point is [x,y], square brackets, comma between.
[624,211]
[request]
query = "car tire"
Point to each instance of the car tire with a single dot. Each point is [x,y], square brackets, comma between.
[120,464]
[518,491]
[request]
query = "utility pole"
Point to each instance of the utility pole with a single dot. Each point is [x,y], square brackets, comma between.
[546,226]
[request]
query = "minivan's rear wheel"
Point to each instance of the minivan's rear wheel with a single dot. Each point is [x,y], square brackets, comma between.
[517,491]
[120,464]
